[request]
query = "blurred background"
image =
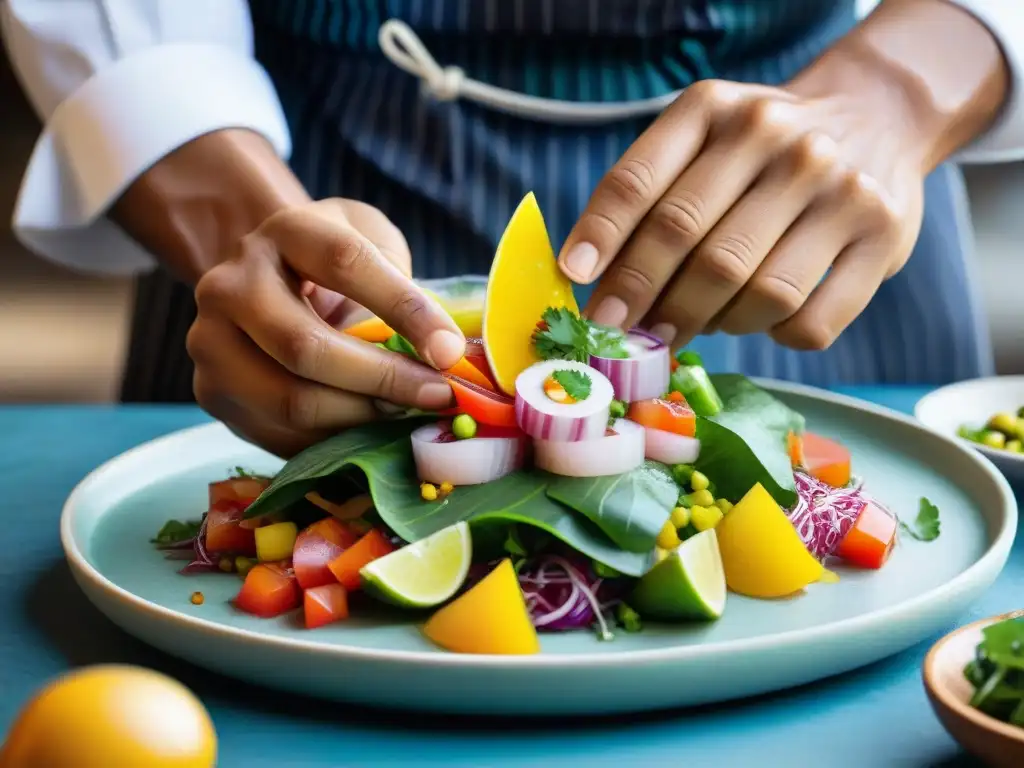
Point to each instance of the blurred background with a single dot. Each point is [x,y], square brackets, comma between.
[63,336]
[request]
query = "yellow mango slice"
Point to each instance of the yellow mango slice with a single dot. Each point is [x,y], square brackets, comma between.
[489,618]
[761,551]
[524,281]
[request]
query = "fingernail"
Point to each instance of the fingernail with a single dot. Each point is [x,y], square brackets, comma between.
[444,349]
[580,261]
[611,311]
[435,394]
[664,331]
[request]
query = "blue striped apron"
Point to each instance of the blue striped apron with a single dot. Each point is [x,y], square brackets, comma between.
[449,173]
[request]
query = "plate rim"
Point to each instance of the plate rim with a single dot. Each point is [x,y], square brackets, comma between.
[990,453]
[994,557]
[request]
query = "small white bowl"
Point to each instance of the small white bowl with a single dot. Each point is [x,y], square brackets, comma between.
[998,744]
[972,402]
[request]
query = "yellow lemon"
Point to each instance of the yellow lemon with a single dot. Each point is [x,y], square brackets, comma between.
[105,716]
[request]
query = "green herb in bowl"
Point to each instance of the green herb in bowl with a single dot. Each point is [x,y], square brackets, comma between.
[1003,431]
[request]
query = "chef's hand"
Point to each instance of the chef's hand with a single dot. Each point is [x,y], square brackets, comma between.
[269,359]
[746,208]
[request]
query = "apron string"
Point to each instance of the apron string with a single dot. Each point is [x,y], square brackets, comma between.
[405,50]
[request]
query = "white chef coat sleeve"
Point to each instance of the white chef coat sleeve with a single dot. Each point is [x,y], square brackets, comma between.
[119,84]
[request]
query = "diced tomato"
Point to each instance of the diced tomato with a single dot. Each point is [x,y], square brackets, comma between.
[665,415]
[676,397]
[484,406]
[869,543]
[240,490]
[315,547]
[825,459]
[325,604]
[223,532]
[269,590]
[347,565]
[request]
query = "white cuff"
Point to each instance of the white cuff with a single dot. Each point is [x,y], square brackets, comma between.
[1003,142]
[115,127]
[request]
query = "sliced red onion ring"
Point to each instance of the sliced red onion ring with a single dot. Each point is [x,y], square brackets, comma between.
[541,417]
[670,448]
[642,375]
[464,462]
[621,450]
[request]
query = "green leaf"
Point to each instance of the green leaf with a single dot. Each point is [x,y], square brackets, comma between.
[575,383]
[304,471]
[1003,643]
[384,453]
[401,345]
[926,524]
[177,531]
[746,442]
[631,508]
[567,336]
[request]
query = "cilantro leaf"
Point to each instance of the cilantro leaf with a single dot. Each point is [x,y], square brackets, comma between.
[564,335]
[575,383]
[176,532]
[926,524]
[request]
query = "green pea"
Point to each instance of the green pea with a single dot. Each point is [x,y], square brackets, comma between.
[463,427]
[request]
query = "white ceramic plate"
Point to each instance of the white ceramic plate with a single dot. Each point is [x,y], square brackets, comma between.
[972,402]
[758,645]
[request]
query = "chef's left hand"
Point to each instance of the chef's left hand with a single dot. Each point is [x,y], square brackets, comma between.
[746,209]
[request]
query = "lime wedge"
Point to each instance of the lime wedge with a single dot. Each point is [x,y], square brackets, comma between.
[422,574]
[688,584]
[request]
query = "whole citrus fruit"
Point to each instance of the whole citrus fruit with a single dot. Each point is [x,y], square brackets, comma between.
[106,716]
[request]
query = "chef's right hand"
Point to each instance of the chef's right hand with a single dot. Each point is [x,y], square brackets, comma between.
[270,361]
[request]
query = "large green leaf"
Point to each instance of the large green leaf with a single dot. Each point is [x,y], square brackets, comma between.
[631,508]
[746,442]
[386,459]
[304,471]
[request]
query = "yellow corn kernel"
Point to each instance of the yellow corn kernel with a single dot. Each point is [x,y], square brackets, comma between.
[699,481]
[702,498]
[680,517]
[447,487]
[725,505]
[668,538]
[428,492]
[704,518]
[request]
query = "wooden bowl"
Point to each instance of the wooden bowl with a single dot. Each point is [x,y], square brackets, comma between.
[995,742]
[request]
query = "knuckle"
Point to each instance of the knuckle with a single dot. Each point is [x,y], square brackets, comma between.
[874,207]
[815,153]
[217,286]
[346,255]
[301,350]
[633,181]
[387,376]
[679,217]
[727,260]
[300,407]
[778,291]
[408,308]
[712,93]
[769,119]
[209,396]
[195,342]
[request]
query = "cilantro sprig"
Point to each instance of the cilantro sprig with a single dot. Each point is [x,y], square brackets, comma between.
[575,383]
[926,524]
[564,335]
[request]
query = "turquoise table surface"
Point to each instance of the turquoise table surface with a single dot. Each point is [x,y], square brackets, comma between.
[876,716]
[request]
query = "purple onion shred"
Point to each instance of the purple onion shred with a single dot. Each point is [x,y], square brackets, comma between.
[194,550]
[823,515]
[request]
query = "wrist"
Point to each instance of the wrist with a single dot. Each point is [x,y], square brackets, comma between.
[898,68]
[190,208]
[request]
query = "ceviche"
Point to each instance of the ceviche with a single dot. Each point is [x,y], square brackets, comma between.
[586,479]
